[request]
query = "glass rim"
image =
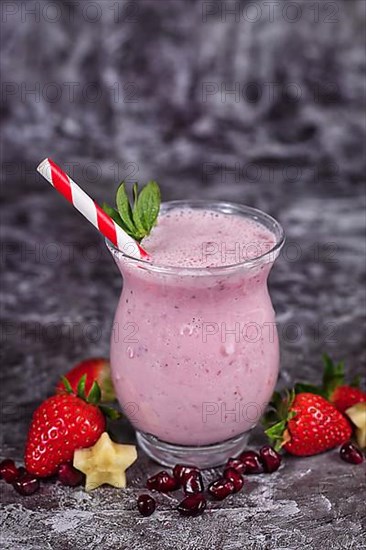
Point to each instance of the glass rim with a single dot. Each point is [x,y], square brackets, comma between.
[224,207]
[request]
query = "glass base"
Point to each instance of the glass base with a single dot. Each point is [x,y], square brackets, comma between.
[207,456]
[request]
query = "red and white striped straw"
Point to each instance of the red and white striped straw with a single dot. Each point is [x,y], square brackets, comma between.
[90,209]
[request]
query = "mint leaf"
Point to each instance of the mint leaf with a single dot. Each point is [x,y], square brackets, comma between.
[138,220]
[113,213]
[147,205]
[124,207]
[135,191]
[136,215]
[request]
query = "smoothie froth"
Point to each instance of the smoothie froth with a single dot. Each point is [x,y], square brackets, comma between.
[203,238]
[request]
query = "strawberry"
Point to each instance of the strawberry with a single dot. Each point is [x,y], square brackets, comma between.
[342,395]
[308,424]
[96,370]
[60,425]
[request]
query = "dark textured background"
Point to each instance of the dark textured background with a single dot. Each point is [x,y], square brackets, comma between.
[292,144]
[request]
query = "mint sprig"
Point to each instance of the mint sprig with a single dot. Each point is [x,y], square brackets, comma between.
[137,219]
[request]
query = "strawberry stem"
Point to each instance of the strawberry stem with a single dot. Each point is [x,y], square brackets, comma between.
[93,397]
[301,387]
[67,384]
[356,381]
[95,394]
[333,375]
[111,413]
[81,387]
[280,414]
[275,434]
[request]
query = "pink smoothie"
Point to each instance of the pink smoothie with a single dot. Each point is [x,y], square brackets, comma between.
[194,348]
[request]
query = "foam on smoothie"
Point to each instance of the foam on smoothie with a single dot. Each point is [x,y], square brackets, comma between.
[185,237]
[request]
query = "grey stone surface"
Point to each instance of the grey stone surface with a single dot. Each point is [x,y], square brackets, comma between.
[301,158]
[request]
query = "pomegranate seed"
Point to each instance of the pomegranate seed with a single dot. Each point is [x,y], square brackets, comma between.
[351,453]
[69,476]
[146,505]
[221,488]
[237,464]
[180,471]
[270,458]
[8,471]
[192,505]
[26,485]
[193,483]
[252,462]
[162,482]
[236,479]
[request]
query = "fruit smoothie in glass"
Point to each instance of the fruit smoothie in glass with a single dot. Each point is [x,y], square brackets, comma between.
[194,349]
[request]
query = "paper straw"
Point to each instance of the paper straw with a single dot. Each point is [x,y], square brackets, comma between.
[90,209]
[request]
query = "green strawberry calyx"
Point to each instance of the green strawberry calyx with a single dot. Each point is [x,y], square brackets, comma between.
[277,418]
[333,378]
[93,397]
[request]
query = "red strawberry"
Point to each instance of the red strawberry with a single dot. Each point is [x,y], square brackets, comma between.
[60,425]
[345,397]
[342,395]
[96,370]
[308,425]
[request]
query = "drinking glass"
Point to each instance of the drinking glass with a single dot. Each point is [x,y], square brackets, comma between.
[194,350]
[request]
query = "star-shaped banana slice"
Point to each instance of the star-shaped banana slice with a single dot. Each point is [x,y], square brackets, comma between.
[357,414]
[105,463]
